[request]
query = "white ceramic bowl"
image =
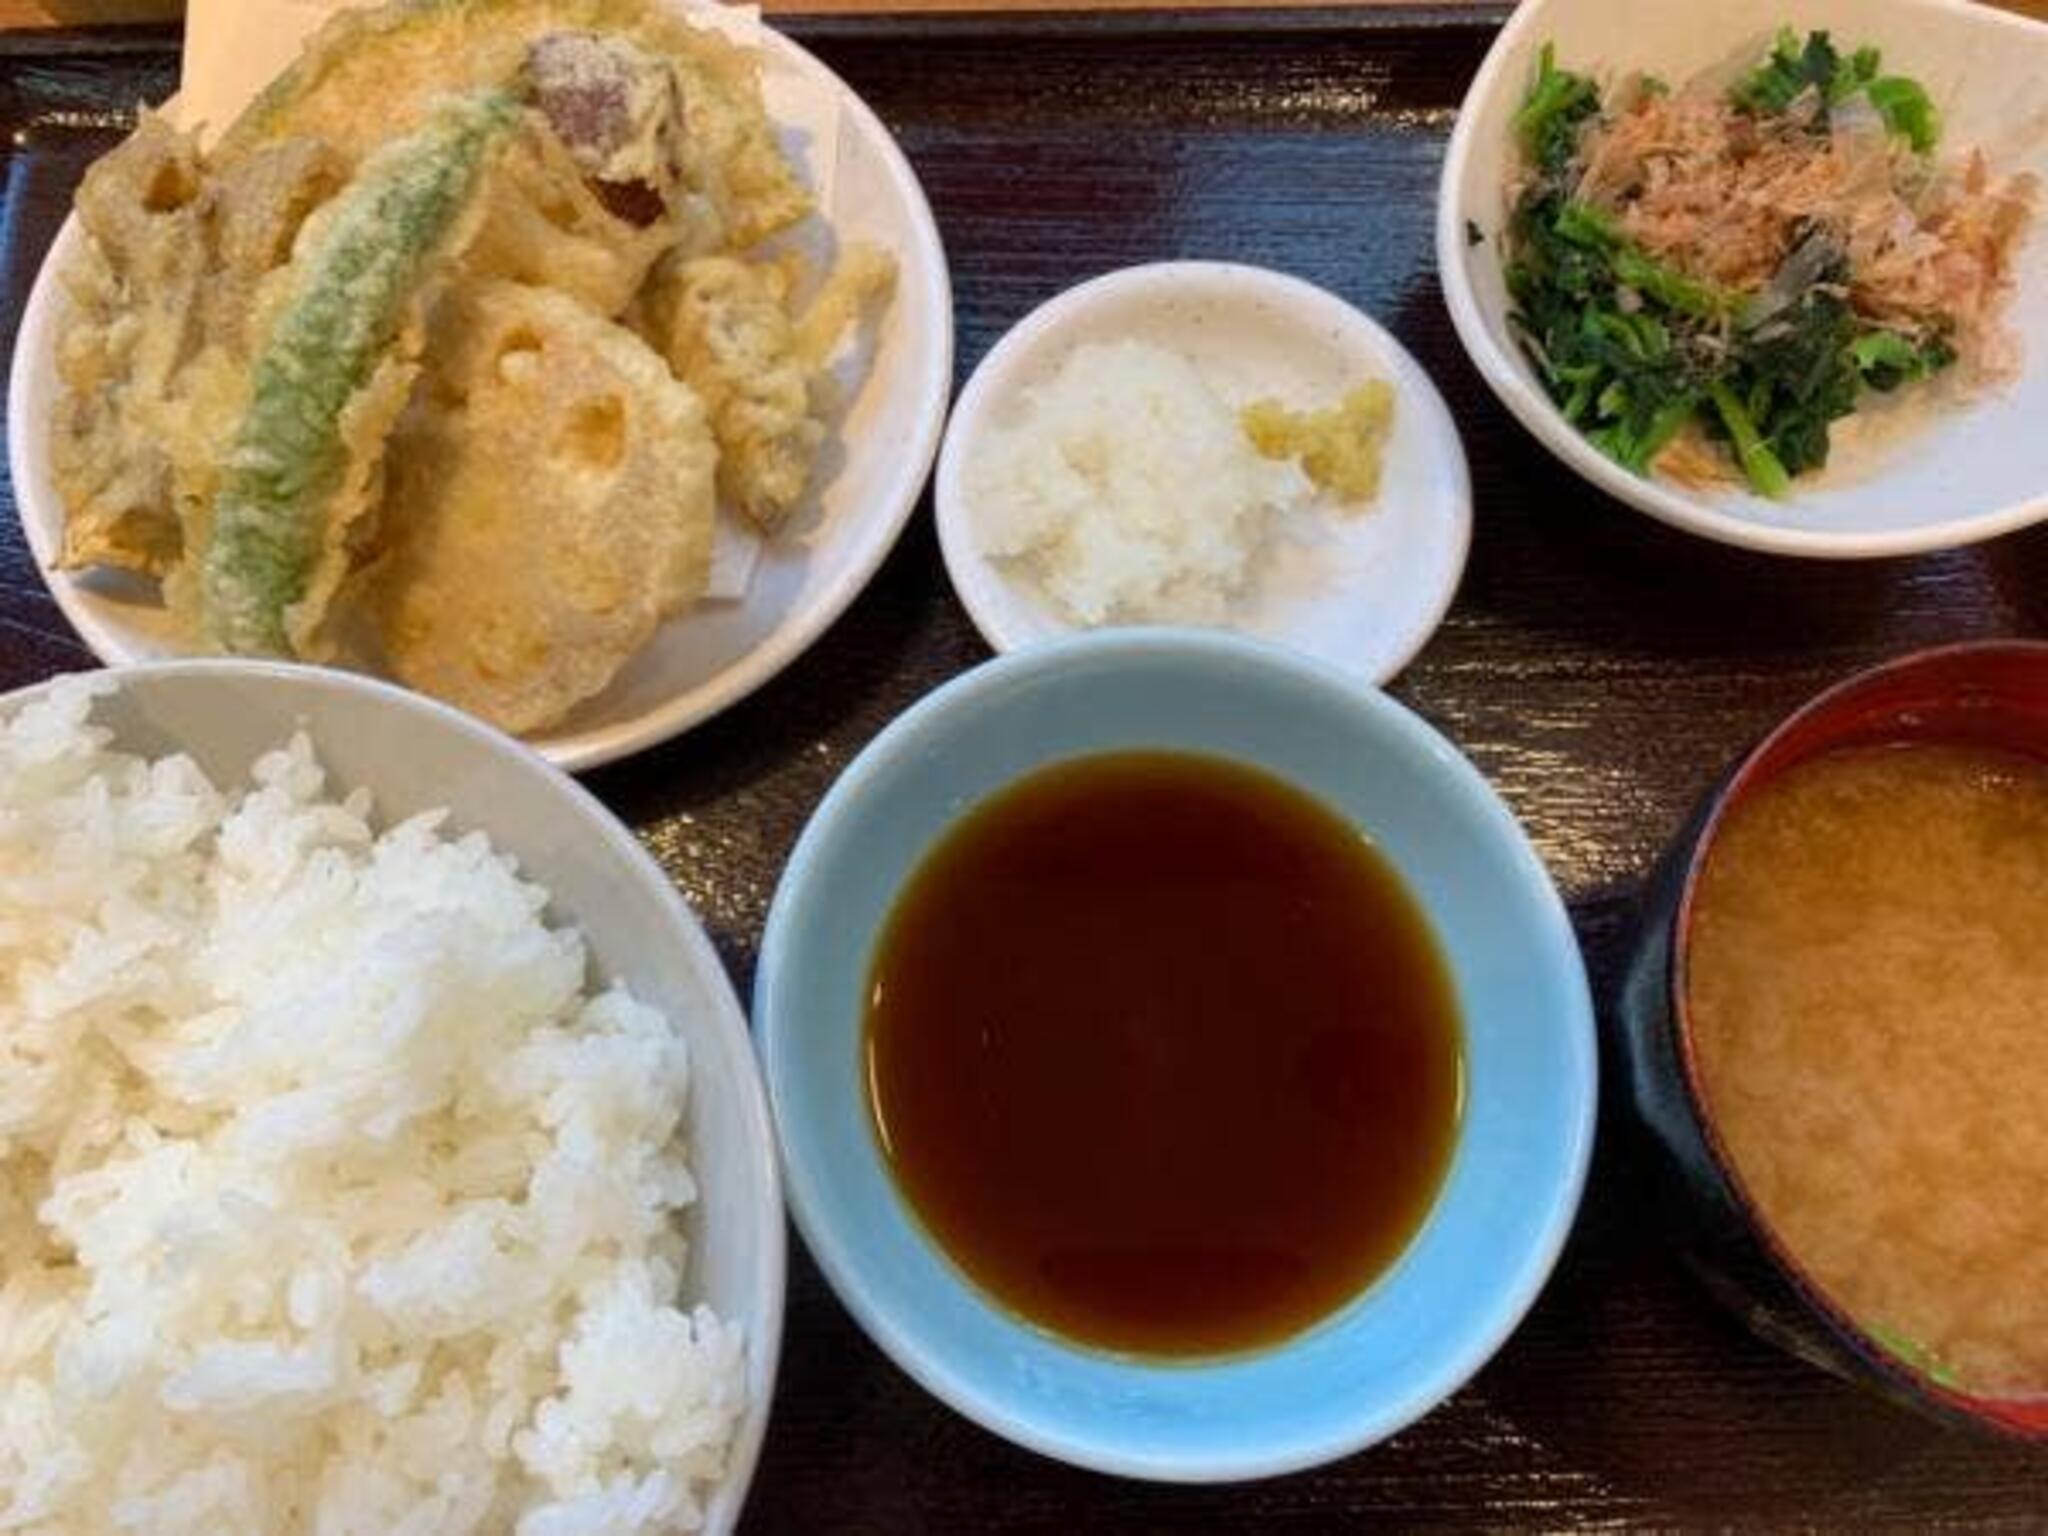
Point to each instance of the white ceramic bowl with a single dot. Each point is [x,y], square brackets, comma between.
[1964,472]
[1371,584]
[414,755]
[720,652]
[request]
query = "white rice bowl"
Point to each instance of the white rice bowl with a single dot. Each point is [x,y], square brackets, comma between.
[333,1196]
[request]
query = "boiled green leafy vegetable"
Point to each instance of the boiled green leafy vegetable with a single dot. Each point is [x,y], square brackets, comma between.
[1886,359]
[1795,67]
[1559,103]
[1907,111]
[1634,350]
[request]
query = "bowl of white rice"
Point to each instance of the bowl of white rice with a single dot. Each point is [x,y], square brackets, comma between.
[381,1148]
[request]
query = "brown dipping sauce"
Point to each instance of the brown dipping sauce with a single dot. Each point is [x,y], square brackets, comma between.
[1163,1054]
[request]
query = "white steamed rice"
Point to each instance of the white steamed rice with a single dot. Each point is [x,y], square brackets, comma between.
[331,1198]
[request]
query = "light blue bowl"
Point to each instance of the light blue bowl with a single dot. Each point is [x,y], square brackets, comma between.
[1507,1202]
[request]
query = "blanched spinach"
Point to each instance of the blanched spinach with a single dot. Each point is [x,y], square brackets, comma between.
[1632,349]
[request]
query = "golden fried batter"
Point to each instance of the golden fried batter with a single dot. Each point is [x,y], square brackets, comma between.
[543,224]
[726,328]
[367,383]
[550,503]
[254,209]
[134,326]
[368,74]
[163,303]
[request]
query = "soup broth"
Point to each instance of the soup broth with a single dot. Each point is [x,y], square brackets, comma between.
[1868,999]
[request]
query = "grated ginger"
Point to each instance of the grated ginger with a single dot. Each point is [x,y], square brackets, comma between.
[1339,449]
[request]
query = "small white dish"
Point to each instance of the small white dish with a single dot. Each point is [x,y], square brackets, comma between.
[1953,473]
[719,652]
[415,754]
[1373,584]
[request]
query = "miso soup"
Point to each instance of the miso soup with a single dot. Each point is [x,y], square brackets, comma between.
[1867,984]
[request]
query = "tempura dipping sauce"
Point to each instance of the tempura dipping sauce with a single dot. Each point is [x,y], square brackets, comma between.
[1866,986]
[1163,1054]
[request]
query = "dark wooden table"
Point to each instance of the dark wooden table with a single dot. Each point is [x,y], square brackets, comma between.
[1597,667]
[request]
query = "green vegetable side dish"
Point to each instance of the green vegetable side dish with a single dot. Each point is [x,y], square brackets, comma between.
[1794,67]
[288,455]
[1634,350]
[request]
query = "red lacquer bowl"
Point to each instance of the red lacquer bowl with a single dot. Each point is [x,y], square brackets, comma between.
[1992,694]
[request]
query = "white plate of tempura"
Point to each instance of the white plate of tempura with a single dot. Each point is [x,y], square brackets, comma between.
[574,361]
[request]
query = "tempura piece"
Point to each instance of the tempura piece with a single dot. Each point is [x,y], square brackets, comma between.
[268,550]
[543,224]
[861,283]
[619,111]
[594,192]
[254,209]
[737,162]
[134,327]
[552,502]
[162,303]
[367,74]
[726,328]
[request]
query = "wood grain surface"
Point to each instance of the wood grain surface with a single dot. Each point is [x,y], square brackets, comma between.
[1596,666]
